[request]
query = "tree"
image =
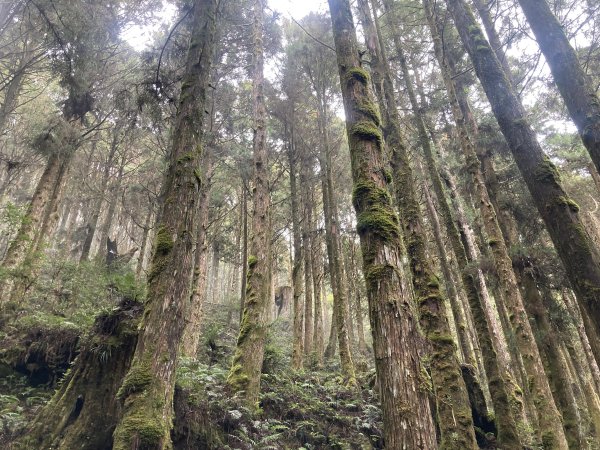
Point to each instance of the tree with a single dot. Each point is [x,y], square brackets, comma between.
[147,389]
[407,417]
[244,375]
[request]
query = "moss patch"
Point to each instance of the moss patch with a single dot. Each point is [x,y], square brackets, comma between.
[366,130]
[547,172]
[568,202]
[358,74]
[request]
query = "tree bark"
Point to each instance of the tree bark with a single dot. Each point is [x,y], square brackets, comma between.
[453,409]
[248,357]
[191,334]
[299,346]
[147,390]
[406,412]
[558,210]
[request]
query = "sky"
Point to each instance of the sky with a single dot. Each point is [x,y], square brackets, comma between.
[140,37]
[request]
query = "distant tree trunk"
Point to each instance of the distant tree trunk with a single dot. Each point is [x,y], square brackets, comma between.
[452,401]
[248,357]
[96,208]
[191,334]
[406,413]
[113,200]
[145,239]
[147,390]
[332,240]
[316,270]
[574,85]
[558,210]
[244,225]
[299,337]
[309,255]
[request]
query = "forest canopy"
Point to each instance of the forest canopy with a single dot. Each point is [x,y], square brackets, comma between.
[231,224]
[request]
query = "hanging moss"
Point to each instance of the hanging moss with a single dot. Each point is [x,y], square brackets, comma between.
[357,74]
[547,172]
[189,156]
[568,202]
[367,131]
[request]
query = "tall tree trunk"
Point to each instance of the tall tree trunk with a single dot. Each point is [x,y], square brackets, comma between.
[549,417]
[307,243]
[148,387]
[299,340]
[332,239]
[244,225]
[145,238]
[316,270]
[97,207]
[191,334]
[453,409]
[248,357]
[574,85]
[406,413]
[559,212]
[462,328]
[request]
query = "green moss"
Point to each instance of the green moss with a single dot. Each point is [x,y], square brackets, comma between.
[366,130]
[198,176]
[568,202]
[378,220]
[443,339]
[369,109]
[388,176]
[368,193]
[547,172]
[376,272]
[144,427]
[189,156]
[358,74]
[252,260]
[164,241]
[138,378]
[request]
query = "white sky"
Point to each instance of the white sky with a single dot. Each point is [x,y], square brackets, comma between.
[140,37]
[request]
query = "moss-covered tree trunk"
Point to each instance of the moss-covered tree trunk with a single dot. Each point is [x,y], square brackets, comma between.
[465,340]
[332,241]
[576,88]
[84,410]
[316,269]
[308,244]
[406,412]
[299,339]
[147,390]
[244,375]
[559,212]
[453,409]
[191,333]
[549,417]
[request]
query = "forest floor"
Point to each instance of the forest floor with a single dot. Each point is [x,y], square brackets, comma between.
[310,409]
